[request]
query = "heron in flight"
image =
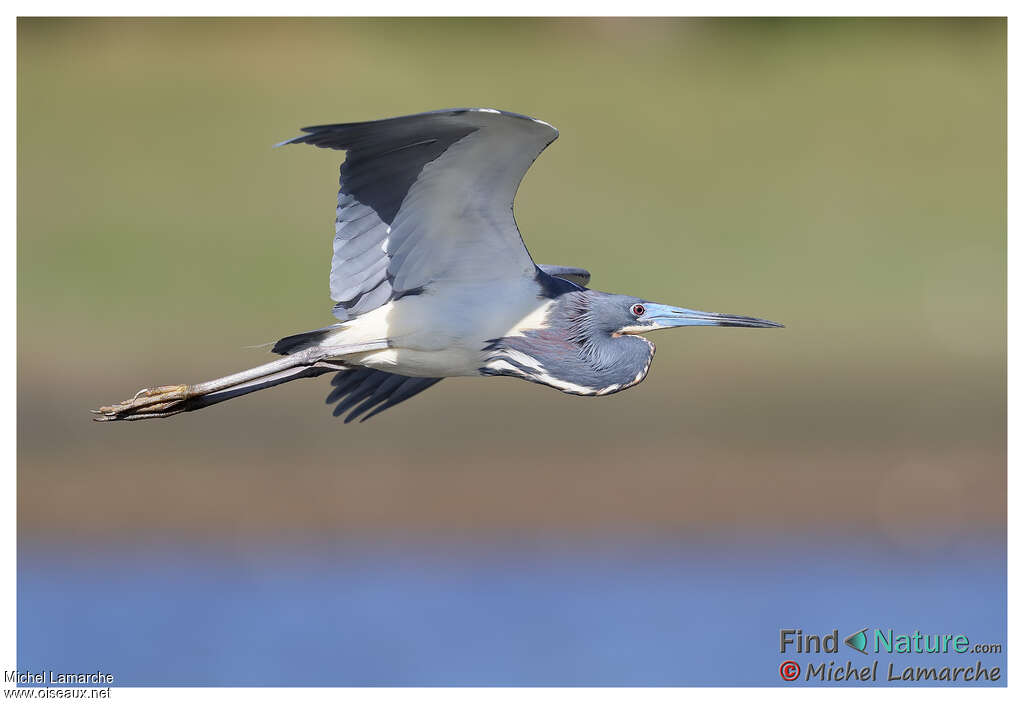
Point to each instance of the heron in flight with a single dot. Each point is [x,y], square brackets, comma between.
[431,279]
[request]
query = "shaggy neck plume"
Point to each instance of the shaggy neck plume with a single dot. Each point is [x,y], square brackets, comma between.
[572,352]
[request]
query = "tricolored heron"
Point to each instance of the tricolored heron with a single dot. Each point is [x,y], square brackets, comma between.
[431,279]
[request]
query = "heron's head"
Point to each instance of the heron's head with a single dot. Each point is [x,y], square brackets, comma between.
[626,315]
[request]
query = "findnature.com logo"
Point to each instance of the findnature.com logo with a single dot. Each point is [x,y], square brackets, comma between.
[887,641]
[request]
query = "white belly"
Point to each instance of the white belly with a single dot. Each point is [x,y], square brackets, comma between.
[443,333]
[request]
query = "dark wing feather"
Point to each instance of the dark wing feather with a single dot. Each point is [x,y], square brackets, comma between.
[580,277]
[371,391]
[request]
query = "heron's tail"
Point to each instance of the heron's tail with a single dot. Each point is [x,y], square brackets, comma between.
[303,340]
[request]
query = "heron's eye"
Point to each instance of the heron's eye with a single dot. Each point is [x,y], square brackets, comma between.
[638,310]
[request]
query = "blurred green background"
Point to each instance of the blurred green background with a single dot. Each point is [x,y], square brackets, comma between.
[845,177]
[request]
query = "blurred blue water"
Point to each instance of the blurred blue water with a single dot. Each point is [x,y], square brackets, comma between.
[640,612]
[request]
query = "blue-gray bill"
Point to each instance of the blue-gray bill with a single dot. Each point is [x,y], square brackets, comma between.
[662,316]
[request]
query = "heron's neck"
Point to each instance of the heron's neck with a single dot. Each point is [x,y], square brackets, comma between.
[571,357]
[618,361]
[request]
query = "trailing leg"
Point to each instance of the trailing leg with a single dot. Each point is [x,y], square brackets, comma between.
[164,401]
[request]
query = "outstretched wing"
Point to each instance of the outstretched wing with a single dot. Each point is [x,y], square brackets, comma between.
[427,198]
[374,391]
[580,277]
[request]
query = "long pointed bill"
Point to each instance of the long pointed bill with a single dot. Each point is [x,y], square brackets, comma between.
[670,317]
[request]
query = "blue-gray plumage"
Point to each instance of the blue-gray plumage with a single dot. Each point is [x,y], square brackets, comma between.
[431,279]
[580,344]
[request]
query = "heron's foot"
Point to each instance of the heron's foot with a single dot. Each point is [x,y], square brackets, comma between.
[157,402]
